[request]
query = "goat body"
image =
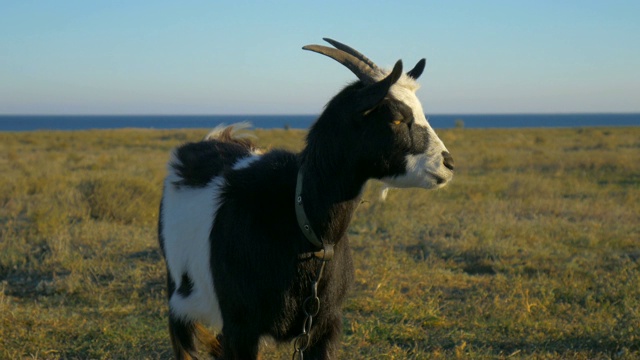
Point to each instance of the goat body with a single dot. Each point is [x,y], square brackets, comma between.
[236,258]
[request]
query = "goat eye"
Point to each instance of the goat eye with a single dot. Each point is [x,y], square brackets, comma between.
[397,122]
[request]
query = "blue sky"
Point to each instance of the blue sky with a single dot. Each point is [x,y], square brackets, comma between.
[242,57]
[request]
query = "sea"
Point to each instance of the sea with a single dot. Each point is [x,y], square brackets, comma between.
[473,121]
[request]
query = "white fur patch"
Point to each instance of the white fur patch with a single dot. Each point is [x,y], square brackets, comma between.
[423,171]
[187,218]
[247,161]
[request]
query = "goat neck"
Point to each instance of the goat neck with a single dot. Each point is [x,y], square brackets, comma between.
[331,193]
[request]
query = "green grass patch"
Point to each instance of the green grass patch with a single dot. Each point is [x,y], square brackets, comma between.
[531,252]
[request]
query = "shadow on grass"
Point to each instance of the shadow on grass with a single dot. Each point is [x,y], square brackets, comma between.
[27,284]
[470,263]
[565,346]
[150,256]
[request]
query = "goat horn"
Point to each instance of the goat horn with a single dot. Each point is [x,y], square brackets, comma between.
[360,68]
[349,50]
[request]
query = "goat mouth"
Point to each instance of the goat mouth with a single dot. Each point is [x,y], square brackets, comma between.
[439,179]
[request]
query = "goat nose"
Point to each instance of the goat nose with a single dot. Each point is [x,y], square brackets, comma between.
[447,160]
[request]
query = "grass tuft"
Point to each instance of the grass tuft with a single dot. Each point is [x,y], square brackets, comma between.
[125,199]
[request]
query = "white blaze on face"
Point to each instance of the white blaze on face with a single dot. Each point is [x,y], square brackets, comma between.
[426,170]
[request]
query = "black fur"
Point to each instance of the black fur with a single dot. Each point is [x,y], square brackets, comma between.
[200,162]
[258,262]
[186,286]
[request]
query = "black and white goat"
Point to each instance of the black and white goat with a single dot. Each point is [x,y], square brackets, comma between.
[237,259]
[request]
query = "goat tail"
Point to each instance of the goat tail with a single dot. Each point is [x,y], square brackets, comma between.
[183,333]
[234,134]
[224,132]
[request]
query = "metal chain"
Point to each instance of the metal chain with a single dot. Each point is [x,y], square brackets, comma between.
[311,307]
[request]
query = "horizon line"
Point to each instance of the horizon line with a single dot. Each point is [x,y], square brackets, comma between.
[317,114]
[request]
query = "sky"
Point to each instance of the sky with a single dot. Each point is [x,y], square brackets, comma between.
[245,57]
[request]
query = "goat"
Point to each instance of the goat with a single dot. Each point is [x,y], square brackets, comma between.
[238,261]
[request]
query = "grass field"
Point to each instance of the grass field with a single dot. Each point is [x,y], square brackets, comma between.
[533,251]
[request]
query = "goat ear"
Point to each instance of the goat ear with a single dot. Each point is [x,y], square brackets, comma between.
[417,70]
[373,94]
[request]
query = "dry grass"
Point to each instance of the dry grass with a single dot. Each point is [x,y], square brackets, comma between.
[532,252]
